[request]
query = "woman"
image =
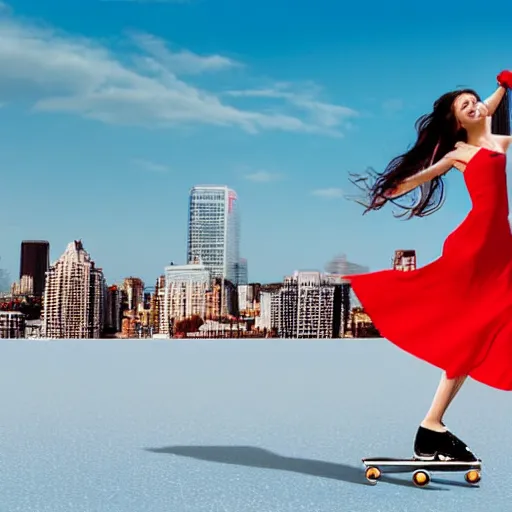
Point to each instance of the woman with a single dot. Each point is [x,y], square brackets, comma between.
[456,312]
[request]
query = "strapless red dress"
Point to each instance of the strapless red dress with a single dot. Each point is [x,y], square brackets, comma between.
[456,312]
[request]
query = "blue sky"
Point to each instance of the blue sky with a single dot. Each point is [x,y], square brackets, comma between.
[112,110]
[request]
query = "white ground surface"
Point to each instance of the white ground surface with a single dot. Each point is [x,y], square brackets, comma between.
[231,426]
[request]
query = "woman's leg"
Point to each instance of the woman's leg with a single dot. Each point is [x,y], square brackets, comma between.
[433,439]
[445,393]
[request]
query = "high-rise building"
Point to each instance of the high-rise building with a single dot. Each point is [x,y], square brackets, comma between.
[310,306]
[268,296]
[134,290]
[343,291]
[114,308]
[34,262]
[213,231]
[74,305]
[404,260]
[184,295]
[158,317]
[156,304]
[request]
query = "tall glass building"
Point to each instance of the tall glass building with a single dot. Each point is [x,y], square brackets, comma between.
[214,231]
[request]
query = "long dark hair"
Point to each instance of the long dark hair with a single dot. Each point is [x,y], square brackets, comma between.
[438,132]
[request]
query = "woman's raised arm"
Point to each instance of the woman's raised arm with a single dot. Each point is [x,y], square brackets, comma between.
[441,167]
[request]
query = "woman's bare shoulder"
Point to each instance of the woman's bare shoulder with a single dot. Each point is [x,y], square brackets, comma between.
[462,154]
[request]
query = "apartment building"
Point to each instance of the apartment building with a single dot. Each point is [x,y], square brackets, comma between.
[310,306]
[74,305]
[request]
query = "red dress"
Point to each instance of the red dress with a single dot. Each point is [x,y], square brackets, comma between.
[456,312]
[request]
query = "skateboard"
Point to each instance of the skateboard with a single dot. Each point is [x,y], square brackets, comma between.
[420,469]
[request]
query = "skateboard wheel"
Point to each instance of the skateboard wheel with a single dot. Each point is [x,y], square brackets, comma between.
[421,478]
[372,474]
[473,476]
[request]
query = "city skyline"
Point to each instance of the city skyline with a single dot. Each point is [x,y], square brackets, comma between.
[197,299]
[112,111]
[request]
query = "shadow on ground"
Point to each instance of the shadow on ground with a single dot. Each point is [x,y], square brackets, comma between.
[250,456]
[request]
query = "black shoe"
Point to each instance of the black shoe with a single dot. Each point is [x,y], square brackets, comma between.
[432,445]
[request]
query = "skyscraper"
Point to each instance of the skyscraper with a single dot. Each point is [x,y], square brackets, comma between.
[74,305]
[34,262]
[213,231]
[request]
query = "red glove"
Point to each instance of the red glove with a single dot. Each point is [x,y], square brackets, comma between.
[505,79]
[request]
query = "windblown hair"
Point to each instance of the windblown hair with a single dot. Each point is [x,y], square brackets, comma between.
[501,117]
[438,133]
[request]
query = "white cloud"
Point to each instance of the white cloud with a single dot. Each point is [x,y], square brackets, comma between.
[328,192]
[263,176]
[147,165]
[54,72]
[329,115]
[182,63]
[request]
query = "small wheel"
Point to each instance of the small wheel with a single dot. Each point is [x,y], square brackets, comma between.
[473,476]
[421,478]
[372,474]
